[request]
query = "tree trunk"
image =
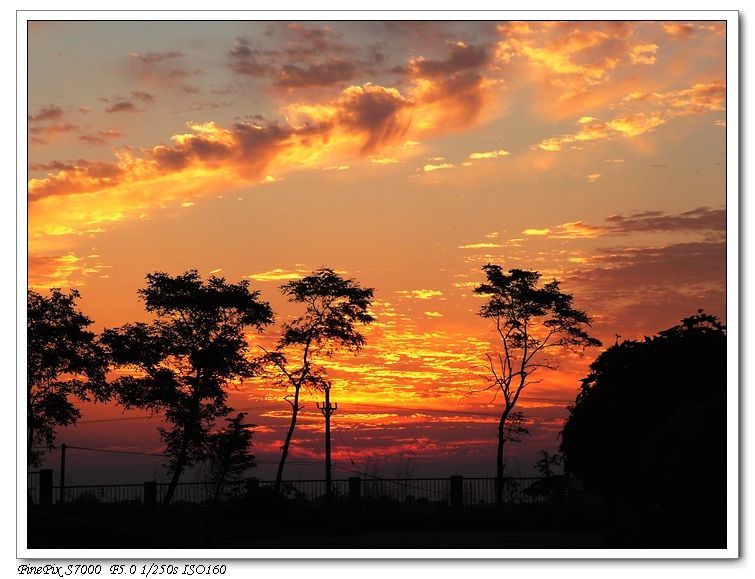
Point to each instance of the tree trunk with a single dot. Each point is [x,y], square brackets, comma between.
[499,465]
[189,432]
[29,446]
[176,474]
[499,474]
[287,443]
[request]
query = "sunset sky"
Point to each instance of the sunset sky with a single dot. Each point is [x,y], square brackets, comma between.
[405,155]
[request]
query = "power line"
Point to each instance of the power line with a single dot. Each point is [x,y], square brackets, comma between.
[114,451]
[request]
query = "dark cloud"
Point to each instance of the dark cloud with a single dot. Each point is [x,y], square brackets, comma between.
[462,97]
[100,138]
[642,290]
[654,270]
[700,219]
[47,113]
[707,222]
[54,166]
[159,69]
[332,72]
[461,58]
[156,57]
[143,96]
[128,105]
[375,111]
[247,147]
[246,60]
[39,135]
[318,40]
[122,107]
[308,57]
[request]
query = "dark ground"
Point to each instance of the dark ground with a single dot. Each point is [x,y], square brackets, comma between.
[271,525]
[134,527]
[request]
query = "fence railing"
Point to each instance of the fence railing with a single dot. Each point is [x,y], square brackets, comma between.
[372,495]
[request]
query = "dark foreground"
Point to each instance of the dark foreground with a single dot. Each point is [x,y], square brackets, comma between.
[116,527]
[186,526]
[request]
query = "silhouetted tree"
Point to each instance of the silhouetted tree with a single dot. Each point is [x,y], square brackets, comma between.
[531,323]
[648,432]
[333,308]
[64,361]
[228,454]
[183,360]
[551,485]
[546,462]
[515,427]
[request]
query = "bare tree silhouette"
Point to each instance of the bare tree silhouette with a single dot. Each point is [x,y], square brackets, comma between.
[531,322]
[333,308]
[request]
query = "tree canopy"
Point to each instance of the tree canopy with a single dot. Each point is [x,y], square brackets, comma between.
[183,360]
[64,360]
[648,430]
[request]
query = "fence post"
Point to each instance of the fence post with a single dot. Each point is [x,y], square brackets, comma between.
[457,493]
[45,486]
[355,495]
[252,486]
[150,494]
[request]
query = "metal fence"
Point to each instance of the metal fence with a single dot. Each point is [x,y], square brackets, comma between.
[375,495]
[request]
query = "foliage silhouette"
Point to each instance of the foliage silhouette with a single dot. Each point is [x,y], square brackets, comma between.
[551,486]
[333,307]
[228,455]
[531,323]
[64,361]
[184,359]
[648,432]
[546,462]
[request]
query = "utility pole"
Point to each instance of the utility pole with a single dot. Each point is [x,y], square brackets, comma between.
[327,410]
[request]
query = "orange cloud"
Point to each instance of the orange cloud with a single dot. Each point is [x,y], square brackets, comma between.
[698,99]
[452,102]
[630,125]
[61,271]
[572,56]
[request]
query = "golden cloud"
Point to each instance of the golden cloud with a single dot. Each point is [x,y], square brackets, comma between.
[480,246]
[630,125]
[428,167]
[489,155]
[421,294]
[277,275]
